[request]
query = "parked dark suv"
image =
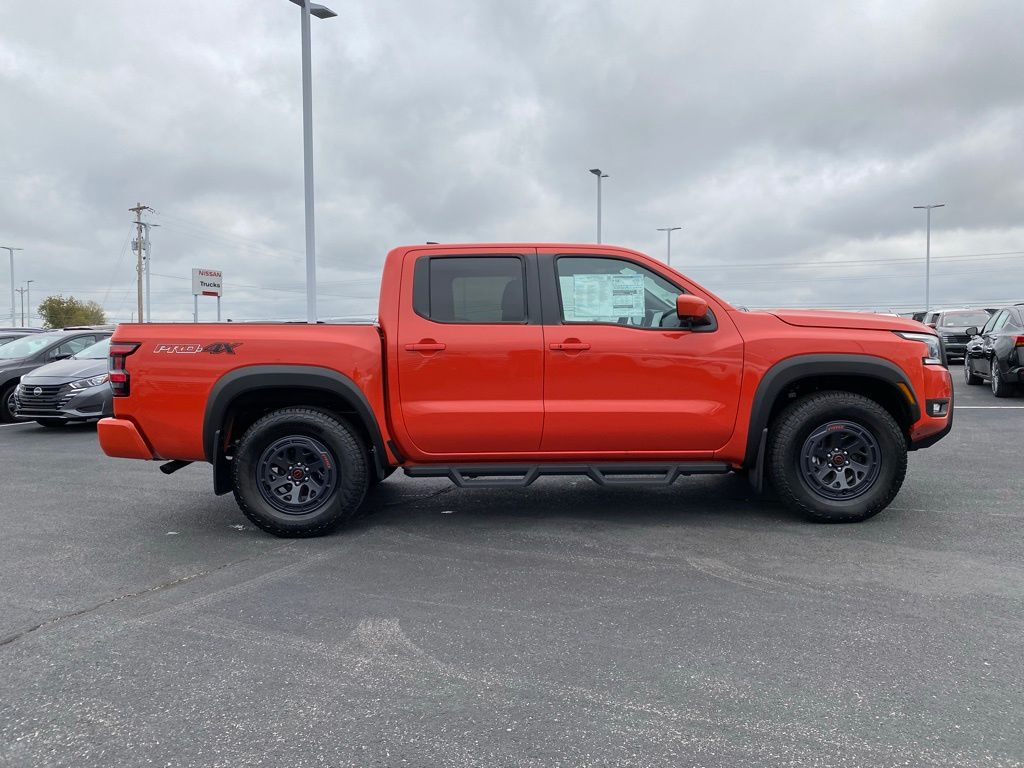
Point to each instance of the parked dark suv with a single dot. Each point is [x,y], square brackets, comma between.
[29,352]
[996,352]
[952,325]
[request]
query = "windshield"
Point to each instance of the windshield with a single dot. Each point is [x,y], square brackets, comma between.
[98,351]
[27,345]
[964,319]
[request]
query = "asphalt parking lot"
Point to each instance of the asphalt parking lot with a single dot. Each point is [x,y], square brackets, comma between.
[146,622]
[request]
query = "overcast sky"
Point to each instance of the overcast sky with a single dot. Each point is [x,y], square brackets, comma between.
[790,141]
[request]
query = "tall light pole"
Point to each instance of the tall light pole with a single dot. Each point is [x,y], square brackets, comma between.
[668,253]
[28,300]
[11,251]
[21,295]
[928,254]
[321,12]
[597,172]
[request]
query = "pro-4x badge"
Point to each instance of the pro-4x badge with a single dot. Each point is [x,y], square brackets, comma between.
[214,348]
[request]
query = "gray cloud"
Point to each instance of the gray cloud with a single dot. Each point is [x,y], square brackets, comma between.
[786,134]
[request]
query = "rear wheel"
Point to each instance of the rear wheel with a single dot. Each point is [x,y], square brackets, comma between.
[970,376]
[300,472]
[837,457]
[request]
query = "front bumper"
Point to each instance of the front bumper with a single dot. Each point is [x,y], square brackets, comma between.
[121,439]
[63,403]
[928,430]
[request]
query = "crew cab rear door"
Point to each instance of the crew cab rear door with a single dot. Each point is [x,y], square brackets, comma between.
[470,352]
[622,373]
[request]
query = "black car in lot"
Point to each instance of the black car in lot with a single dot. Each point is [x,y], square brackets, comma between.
[24,355]
[952,325]
[10,334]
[996,352]
[76,389]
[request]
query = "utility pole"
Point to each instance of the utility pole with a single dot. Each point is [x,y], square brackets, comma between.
[137,210]
[668,231]
[928,255]
[600,175]
[11,251]
[21,295]
[28,292]
[148,259]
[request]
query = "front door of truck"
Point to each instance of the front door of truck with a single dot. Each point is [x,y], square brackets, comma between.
[623,374]
[470,353]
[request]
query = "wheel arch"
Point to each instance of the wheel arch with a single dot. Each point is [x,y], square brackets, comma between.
[874,377]
[243,395]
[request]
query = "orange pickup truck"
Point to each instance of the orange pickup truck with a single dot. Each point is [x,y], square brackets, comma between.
[493,365]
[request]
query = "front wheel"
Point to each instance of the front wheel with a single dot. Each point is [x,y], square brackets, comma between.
[836,457]
[970,376]
[999,387]
[7,403]
[300,472]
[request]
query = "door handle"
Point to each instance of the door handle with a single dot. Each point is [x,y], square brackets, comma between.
[426,346]
[570,346]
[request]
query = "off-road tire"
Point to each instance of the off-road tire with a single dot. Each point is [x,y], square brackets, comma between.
[804,417]
[345,452]
[5,395]
[970,376]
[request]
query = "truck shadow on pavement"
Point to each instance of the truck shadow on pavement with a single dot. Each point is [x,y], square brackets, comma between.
[724,499]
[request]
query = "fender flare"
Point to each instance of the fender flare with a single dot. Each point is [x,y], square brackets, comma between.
[781,375]
[252,378]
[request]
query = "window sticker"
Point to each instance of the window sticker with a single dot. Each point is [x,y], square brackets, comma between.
[603,298]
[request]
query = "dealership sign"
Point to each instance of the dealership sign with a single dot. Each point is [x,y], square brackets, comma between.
[207,282]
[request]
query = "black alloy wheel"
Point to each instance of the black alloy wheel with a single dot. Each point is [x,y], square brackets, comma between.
[296,474]
[840,460]
[300,472]
[836,457]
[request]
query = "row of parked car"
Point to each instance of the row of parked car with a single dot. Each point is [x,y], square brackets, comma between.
[54,377]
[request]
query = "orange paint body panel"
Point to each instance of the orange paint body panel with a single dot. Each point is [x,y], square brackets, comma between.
[540,390]
[122,440]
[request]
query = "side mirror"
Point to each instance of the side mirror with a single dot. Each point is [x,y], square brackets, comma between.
[690,307]
[930,325]
[972,331]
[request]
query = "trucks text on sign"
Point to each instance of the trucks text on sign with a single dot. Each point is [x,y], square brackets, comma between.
[207,282]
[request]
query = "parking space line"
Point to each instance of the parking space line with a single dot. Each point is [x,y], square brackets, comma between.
[22,424]
[990,407]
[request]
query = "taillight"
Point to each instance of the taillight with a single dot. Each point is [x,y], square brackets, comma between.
[119,379]
[1019,341]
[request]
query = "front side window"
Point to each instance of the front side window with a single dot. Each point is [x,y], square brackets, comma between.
[616,291]
[1001,320]
[991,322]
[27,345]
[467,289]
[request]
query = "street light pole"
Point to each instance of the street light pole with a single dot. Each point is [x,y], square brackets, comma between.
[11,251]
[668,231]
[928,254]
[321,12]
[597,172]
[28,300]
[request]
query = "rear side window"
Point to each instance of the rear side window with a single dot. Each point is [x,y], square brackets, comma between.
[468,289]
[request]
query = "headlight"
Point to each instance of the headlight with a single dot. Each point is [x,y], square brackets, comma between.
[95,381]
[934,356]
